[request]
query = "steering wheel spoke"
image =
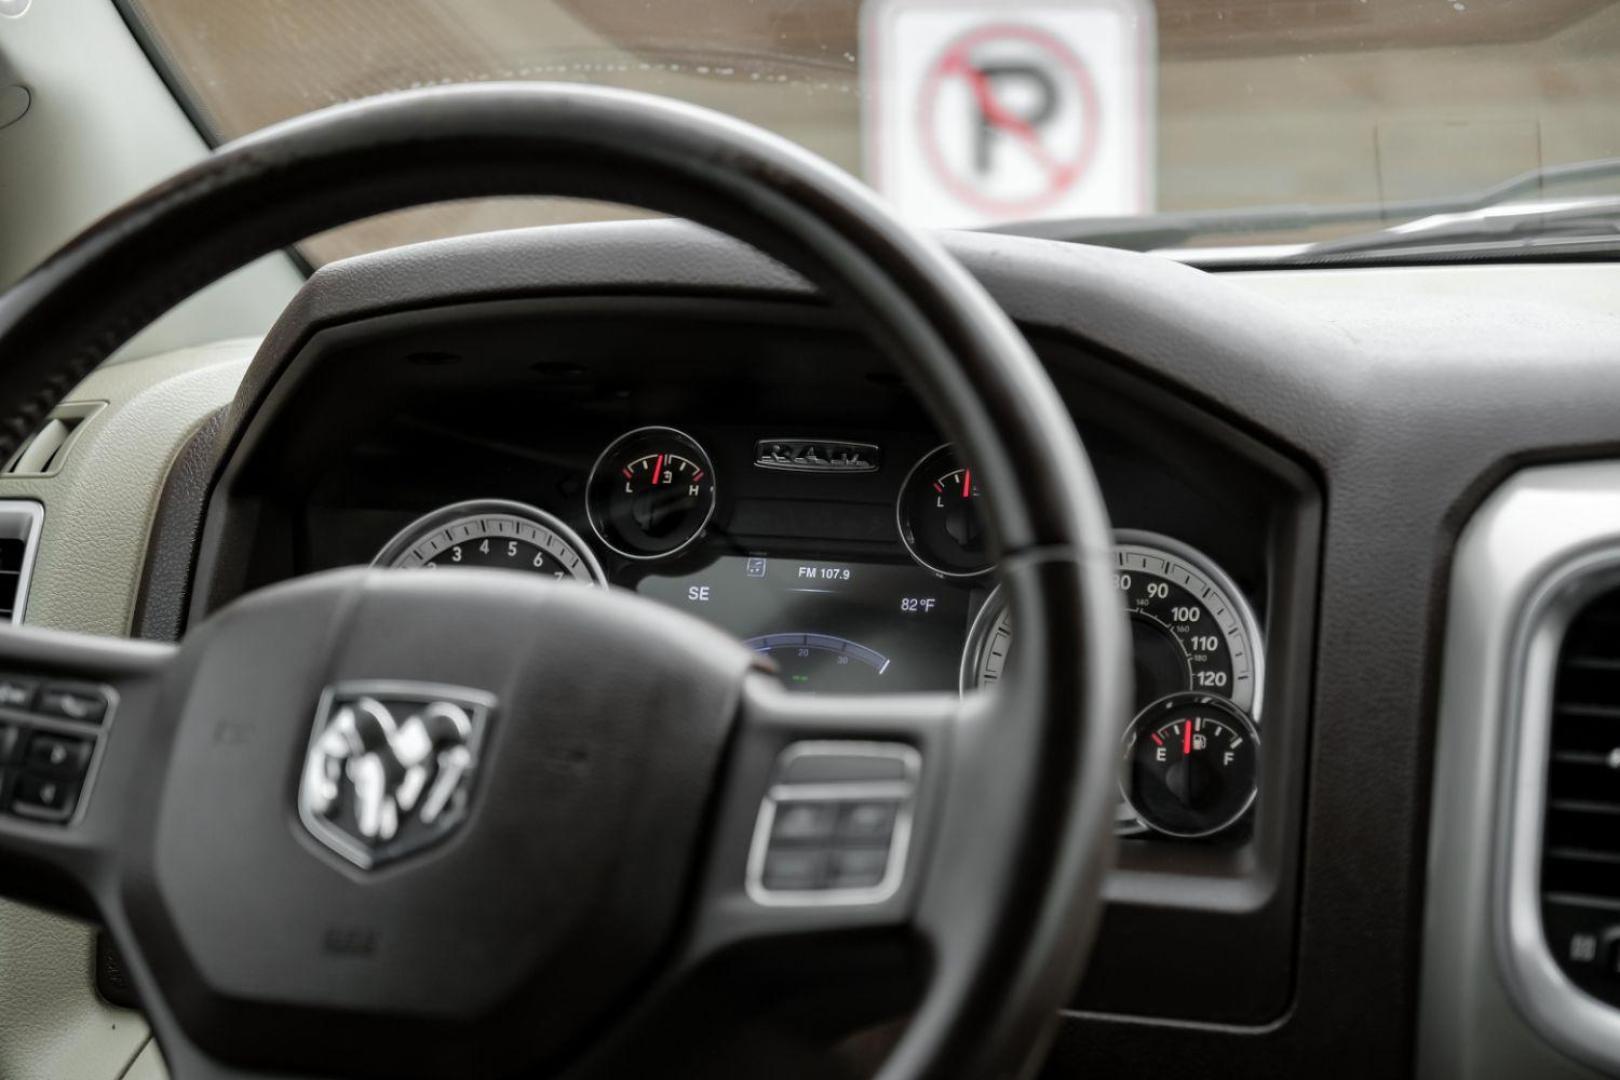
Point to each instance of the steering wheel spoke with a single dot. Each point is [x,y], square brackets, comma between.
[78,719]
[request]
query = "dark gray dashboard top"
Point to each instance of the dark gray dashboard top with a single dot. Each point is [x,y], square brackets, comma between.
[1407,414]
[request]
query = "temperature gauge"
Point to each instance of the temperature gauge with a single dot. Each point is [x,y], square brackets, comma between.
[650,493]
[938,515]
[1190,764]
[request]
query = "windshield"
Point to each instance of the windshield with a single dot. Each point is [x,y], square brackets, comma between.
[967,113]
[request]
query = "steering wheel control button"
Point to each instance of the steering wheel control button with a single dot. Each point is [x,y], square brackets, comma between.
[58,755]
[804,822]
[10,741]
[17,693]
[858,868]
[43,797]
[835,824]
[86,705]
[868,822]
[795,869]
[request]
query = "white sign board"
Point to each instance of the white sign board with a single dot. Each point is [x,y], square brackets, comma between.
[984,111]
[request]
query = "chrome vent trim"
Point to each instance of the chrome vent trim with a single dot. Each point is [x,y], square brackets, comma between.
[1566,1015]
[1493,1004]
[1580,856]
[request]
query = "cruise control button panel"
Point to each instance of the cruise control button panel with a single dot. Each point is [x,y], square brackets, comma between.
[49,733]
[835,825]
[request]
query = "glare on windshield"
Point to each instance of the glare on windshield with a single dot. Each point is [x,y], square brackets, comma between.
[978,112]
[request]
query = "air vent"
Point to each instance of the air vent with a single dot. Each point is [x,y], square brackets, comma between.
[46,449]
[20,522]
[1580,854]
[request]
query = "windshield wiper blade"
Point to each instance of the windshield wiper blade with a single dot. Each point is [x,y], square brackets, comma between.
[1595,221]
[1149,232]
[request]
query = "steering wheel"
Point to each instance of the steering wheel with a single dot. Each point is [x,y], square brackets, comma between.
[622,765]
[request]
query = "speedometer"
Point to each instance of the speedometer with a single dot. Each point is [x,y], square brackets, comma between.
[493,533]
[1191,628]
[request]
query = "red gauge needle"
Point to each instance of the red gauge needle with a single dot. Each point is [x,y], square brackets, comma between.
[967,483]
[1186,738]
[658,468]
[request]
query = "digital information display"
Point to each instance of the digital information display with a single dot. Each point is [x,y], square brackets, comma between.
[832,627]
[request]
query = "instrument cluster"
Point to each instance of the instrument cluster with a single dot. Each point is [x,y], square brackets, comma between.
[919,610]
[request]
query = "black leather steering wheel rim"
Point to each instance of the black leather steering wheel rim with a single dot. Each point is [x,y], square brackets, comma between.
[991,1006]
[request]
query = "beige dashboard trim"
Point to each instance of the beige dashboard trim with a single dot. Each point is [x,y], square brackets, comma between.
[99,510]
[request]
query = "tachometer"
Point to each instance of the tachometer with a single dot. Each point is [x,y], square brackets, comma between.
[493,533]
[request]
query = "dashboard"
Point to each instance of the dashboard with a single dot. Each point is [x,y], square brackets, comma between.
[1326,443]
[757,462]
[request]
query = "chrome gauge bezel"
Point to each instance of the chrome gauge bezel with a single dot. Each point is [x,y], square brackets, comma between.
[904,534]
[445,518]
[708,516]
[1132,734]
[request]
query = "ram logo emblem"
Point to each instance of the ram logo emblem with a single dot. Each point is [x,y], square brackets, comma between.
[390,767]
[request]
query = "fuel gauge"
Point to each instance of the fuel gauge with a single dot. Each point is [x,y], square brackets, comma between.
[651,493]
[1190,764]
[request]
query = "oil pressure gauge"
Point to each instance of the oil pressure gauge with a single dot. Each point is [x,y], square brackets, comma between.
[1190,765]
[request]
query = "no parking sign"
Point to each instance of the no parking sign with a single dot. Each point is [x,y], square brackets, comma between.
[978,112]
